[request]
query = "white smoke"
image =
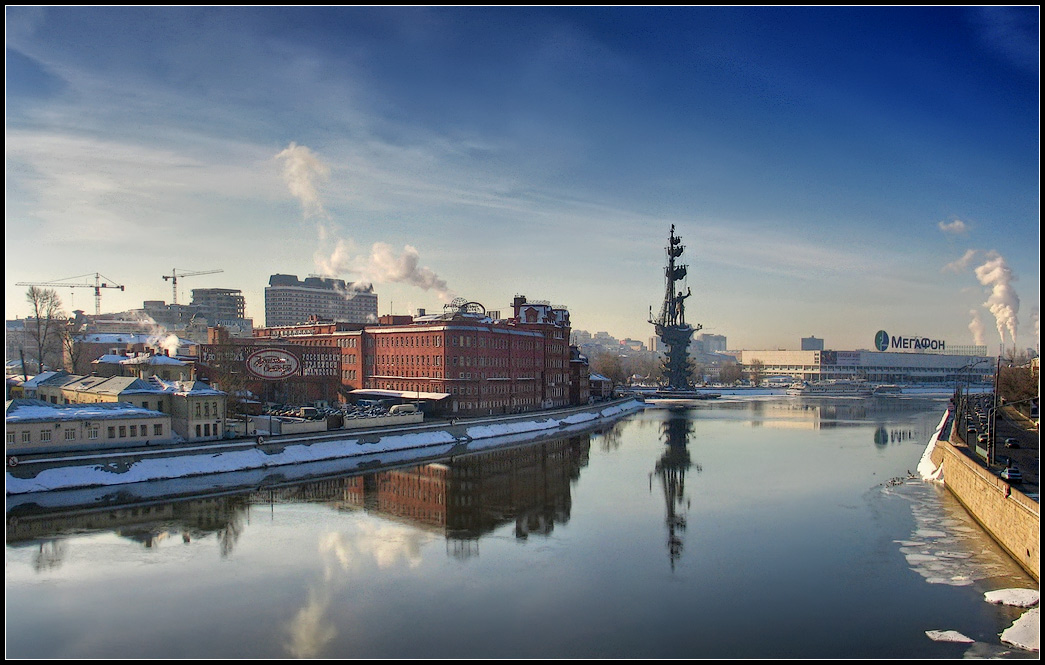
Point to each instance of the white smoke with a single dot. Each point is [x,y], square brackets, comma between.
[303,171]
[976,327]
[384,265]
[1003,302]
[162,339]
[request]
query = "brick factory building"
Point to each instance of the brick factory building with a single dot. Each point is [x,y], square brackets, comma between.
[464,361]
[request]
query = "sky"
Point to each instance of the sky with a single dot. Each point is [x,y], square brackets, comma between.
[832,172]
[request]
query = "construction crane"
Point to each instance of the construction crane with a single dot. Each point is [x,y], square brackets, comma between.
[175,275]
[97,286]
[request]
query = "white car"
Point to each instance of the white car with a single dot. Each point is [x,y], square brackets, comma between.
[1012,475]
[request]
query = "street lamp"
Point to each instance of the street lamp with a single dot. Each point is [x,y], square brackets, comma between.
[963,403]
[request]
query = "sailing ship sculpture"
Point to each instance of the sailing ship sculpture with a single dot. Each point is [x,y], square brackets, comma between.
[670,325]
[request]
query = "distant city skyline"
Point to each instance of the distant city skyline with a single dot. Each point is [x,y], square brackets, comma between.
[832,171]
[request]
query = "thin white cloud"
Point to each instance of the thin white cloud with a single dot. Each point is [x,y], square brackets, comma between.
[957,227]
[962,264]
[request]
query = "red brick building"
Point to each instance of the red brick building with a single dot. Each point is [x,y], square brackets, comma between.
[463,361]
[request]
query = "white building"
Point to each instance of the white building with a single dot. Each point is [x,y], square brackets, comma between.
[874,366]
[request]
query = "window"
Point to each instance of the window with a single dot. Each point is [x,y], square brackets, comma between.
[92,433]
[70,434]
[45,435]
[157,430]
[112,433]
[134,430]
[10,437]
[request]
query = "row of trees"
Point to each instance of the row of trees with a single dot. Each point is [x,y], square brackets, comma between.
[620,369]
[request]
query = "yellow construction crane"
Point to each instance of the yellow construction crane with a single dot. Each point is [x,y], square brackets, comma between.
[175,275]
[97,286]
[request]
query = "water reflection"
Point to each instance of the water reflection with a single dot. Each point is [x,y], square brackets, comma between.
[463,497]
[670,470]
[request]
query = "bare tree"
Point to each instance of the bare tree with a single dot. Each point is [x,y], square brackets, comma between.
[45,325]
[756,372]
[730,373]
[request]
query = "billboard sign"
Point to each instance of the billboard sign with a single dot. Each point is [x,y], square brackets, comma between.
[272,364]
[883,341]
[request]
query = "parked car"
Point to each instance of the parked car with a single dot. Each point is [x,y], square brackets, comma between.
[1012,475]
[984,438]
[1011,443]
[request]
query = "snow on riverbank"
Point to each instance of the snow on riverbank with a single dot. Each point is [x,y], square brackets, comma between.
[214,462]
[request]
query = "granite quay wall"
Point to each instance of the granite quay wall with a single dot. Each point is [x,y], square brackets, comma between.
[1012,518]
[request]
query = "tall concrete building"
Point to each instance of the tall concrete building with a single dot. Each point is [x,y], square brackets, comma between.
[812,344]
[289,301]
[220,304]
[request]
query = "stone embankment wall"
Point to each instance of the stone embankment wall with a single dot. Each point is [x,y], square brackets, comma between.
[1010,516]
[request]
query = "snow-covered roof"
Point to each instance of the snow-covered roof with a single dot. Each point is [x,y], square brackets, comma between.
[152,360]
[597,377]
[41,378]
[183,387]
[160,339]
[34,410]
[403,394]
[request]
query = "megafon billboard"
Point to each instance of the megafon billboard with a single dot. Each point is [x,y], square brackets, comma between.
[883,341]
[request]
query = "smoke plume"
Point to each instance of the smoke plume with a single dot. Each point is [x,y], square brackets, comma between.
[1003,302]
[384,265]
[976,327]
[303,172]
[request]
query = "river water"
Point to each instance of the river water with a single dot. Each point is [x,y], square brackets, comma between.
[757,527]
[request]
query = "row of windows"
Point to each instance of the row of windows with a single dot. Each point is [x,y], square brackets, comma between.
[205,430]
[69,434]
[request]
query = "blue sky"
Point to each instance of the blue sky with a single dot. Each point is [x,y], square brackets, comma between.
[831,171]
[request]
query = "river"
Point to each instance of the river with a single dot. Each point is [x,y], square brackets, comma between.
[743,527]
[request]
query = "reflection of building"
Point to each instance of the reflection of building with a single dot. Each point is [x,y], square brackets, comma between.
[145,523]
[474,494]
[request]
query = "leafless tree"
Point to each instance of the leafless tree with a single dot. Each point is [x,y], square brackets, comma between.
[45,325]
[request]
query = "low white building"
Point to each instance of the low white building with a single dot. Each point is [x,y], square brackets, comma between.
[33,425]
[873,366]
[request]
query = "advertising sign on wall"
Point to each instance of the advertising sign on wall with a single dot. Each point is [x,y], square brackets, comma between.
[272,364]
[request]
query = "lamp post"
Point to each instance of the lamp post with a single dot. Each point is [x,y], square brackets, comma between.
[962,405]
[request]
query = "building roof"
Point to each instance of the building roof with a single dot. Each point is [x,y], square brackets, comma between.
[152,360]
[44,378]
[34,410]
[402,394]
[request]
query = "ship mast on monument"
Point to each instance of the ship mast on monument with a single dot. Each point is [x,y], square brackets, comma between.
[670,325]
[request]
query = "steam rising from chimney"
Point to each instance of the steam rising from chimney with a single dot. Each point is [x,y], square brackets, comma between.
[385,266]
[1003,302]
[303,171]
[976,327]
